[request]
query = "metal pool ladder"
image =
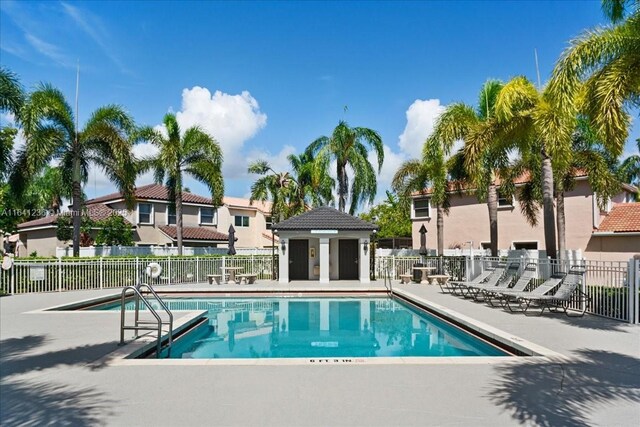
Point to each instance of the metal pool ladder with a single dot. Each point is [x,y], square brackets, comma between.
[387,277]
[147,325]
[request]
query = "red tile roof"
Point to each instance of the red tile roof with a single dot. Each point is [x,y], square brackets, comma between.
[462,185]
[268,237]
[153,192]
[96,212]
[194,233]
[623,218]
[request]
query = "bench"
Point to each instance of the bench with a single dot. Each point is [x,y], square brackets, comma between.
[248,278]
[405,278]
[214,277]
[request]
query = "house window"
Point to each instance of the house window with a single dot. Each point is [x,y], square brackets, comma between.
[241,221]
[525,245]
[485,245]
[207,216]
[269,221]
[145,213]
[421,208]
[171,215]
[504,200]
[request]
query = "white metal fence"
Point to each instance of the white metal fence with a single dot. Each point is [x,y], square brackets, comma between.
[614,287]
[28,276]
[142,251]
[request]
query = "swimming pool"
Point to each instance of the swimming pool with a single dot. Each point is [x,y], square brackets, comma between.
[272,327]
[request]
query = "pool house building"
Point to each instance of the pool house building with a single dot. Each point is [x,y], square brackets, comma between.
[324,244]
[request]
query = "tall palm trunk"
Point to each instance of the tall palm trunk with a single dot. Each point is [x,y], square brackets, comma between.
[440,229]
[561,225]
[179,218]
[547,206]
[492,204]
[75,211]
[342,186]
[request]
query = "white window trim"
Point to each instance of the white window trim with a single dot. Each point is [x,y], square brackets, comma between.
[151,215]
[243,216]
[214,222]
[413,208]
[513,201]
[166,216]
[537,242]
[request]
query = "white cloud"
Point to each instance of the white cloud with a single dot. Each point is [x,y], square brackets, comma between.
[49,50]
[278,162]
[230,119]
[93,27]
[392,162]
[421,119]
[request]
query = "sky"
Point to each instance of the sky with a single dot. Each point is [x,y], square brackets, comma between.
[265,79]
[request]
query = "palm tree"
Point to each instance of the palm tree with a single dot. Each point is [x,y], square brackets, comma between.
[463,122]
[314,185]
[349,148]
[52,134]
[279,187]
[630,168]
[11,101]
[529,121]
[194,153]
[599,74]
[431,170]
[47,190]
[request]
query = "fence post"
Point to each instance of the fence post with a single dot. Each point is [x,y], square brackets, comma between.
[633,278]
[169,268]
[13,278]
[224,265]
[137,270]
[197,269]
[393,266]
[468,264]
[59,274]
[101,272]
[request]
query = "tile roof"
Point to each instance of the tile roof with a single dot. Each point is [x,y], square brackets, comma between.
[462,185]
[268,237]
[153,192]
[324,218]
[623,218]
[96,212]
[194,233]
[264,207]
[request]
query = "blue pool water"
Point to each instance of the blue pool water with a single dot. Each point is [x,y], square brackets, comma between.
[318,328]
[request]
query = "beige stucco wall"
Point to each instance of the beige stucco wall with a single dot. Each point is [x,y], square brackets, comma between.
[148,234]
[248,237]
[468,220]
[44,242]
[612,248]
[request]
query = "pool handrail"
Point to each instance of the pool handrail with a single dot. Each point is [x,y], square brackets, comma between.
[137,291]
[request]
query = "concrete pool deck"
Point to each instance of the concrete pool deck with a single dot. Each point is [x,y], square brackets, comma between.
[52,370]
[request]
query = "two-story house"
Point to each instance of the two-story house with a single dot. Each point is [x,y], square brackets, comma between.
[153,220]
[612,234]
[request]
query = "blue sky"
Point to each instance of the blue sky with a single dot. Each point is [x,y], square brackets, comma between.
[266,79]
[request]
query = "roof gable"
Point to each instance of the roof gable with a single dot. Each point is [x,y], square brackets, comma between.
[324,218]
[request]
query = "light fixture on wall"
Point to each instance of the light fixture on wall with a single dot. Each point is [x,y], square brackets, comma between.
[283,246]
[366,246]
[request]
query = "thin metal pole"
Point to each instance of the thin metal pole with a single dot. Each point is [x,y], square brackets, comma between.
[535,52]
